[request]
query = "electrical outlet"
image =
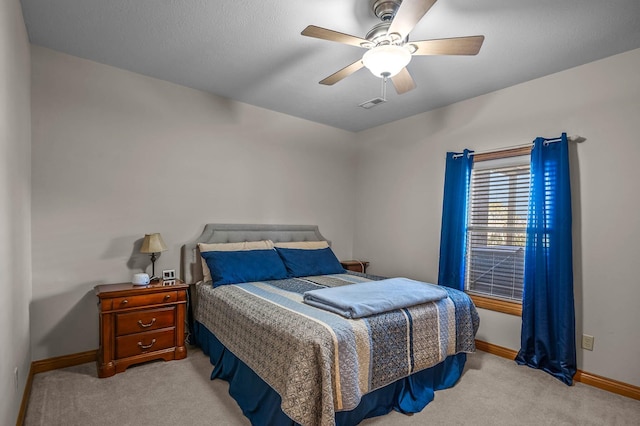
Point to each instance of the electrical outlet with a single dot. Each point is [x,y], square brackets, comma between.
[15,377]
[587,342]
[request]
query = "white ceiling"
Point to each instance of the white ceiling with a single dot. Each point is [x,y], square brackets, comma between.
[252,51]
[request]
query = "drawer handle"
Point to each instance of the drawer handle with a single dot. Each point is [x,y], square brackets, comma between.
[147,346]
[124,302]
[167,297]
[146,325]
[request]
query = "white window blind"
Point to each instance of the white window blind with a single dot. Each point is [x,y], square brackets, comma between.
[496,227]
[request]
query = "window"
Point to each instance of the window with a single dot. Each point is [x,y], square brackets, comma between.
[496,225]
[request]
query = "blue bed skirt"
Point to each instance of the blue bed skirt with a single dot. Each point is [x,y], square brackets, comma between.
[261,404]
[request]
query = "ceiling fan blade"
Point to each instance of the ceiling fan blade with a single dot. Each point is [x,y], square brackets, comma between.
[408,15]
[325,34]
[343,73]
[403,81]
[449,46]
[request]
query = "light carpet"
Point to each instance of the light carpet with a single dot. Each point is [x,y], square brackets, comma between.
[492,391]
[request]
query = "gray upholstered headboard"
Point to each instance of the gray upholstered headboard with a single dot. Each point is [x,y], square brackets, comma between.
[190,262]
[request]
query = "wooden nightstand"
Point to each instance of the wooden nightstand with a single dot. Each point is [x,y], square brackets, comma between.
[355,265]
[140,323]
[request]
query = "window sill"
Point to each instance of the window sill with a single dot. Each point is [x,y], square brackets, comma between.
[498,305]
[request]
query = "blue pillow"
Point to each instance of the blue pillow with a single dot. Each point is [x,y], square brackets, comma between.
[302,262]
[231,267]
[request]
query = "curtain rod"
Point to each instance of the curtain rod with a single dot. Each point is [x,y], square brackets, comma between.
[572,138]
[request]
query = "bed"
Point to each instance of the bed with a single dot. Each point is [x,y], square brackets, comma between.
[288,362]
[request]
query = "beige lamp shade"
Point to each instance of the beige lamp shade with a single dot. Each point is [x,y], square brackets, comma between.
[153,243]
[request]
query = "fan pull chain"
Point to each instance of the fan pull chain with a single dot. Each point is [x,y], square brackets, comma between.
[384,88]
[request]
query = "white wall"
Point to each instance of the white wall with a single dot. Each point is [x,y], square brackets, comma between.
[400,184]
[117,155]
[15,200]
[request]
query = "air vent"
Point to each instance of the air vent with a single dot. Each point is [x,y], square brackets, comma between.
[372,102]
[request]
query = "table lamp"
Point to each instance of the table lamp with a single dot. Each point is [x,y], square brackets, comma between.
[153,244]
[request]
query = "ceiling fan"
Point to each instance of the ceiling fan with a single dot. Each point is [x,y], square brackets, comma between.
[389,49]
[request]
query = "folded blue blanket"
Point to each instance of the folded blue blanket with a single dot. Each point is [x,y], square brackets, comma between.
[373,297]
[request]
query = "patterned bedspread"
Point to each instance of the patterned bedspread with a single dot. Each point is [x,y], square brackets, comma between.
[320,362]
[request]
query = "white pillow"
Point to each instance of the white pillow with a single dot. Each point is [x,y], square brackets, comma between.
[305,245]
[245,245]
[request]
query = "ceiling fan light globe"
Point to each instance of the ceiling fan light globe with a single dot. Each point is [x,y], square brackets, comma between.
[386,60]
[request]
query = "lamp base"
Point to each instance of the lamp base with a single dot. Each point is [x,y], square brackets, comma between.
[154,279]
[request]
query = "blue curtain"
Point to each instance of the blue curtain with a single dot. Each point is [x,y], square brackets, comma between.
[454,219]
[548,319]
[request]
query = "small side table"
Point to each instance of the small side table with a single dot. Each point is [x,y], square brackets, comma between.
[355,265]
[140,323]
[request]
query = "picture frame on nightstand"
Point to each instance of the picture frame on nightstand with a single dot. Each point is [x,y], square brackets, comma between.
[169,274]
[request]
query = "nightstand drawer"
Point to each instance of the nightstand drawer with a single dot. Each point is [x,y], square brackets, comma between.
[145,300]
[147,320]
[142,343]
[355,265]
